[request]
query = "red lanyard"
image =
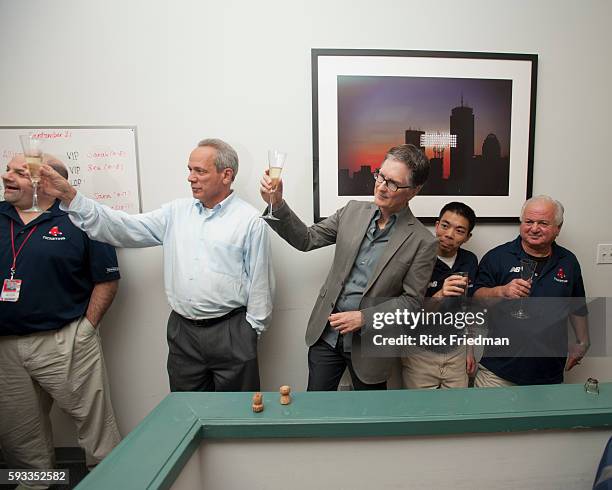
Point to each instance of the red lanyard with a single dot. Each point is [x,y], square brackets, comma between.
[15,255]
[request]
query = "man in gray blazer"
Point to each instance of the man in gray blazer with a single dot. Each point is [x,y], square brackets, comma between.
[383,262]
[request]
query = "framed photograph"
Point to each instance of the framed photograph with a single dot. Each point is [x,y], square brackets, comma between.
[473,114]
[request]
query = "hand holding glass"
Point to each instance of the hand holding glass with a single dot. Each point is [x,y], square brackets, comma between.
[527,270]
[276,162]
[467,281]
[32,151]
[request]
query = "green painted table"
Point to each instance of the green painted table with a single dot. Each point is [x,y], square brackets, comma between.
[154,453]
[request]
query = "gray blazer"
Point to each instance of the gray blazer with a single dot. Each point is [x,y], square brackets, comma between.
[399,280]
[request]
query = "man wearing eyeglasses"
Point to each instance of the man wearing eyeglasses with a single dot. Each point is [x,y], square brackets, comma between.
[383,261]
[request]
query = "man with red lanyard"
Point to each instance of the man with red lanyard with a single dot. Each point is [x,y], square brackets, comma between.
[56,286]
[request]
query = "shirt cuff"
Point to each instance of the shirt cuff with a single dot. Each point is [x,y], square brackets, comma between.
[76,203]
[258,326]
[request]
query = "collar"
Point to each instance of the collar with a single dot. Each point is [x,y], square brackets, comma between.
[454,258]
[460,259]
[217,208]
[378,215]
[8,210]
[556,252]
[404,214]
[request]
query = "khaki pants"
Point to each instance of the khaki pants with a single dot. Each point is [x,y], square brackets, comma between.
[488,379]
[65,366]
[426,369]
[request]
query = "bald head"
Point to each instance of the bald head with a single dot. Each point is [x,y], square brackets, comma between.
[18,160]
[55,164]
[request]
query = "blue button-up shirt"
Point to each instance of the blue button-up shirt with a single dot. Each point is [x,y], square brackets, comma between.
[372,247]
[215,260]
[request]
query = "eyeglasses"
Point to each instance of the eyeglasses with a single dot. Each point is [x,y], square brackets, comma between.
[392,186]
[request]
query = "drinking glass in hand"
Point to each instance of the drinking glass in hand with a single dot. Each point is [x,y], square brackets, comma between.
[467,281]
[276,162]
[463,297]
[527,270]
[32,151]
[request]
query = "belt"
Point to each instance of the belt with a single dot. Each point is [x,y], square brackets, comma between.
[208,322]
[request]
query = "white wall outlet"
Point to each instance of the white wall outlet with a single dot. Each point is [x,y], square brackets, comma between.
[604,253]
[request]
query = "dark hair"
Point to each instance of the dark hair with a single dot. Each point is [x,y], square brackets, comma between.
[414,159]
[461,209]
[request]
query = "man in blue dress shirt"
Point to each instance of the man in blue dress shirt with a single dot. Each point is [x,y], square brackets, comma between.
[217,273]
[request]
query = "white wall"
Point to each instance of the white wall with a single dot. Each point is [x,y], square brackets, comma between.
[527,461]
[240,70]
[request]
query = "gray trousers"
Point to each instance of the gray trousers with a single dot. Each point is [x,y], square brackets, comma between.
[221,356]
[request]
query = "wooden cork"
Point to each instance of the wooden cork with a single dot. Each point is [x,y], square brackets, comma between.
[285,392]
[257,403]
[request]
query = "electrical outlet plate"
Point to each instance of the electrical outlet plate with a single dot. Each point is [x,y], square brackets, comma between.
[604,253]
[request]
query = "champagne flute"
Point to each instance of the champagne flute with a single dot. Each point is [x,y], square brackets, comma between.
[32,151]
[276,162]
[528,268]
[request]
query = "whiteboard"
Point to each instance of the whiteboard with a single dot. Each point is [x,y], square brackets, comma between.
[102,161]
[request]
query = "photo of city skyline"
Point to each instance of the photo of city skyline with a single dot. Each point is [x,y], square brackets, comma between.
[378,112]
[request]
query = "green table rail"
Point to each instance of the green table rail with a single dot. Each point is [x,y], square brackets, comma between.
[154,453]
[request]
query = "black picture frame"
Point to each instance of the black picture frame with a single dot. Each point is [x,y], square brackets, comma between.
[335,69]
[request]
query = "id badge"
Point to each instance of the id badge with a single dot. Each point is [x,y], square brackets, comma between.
[10,290]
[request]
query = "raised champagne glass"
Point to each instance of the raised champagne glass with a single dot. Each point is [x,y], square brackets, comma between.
[276,162]
[528,268]
[32,151]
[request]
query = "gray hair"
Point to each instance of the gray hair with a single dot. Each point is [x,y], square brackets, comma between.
[414,159]
[226,155]
[544,198]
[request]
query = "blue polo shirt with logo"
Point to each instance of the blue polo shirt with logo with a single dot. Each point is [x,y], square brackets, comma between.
[466,261]
[58,266]
[560,278]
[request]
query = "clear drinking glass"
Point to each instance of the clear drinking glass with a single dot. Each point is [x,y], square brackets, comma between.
[528,268]
[32,151]
[276,162]
[467,280]
[463,299]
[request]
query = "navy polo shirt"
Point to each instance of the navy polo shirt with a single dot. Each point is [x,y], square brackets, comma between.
[560,278]
[59,267]
[466,261]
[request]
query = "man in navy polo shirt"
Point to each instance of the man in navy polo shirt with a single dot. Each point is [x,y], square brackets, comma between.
[557,275]
[446,366]
[56,286]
